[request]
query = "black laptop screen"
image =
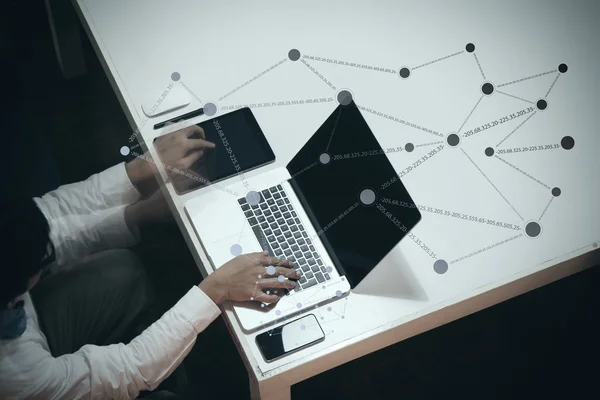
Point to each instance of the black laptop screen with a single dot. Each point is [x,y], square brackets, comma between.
[335,176]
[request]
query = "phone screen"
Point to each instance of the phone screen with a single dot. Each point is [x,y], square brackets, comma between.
[290,337]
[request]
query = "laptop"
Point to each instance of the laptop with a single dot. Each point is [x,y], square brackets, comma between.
[322,211]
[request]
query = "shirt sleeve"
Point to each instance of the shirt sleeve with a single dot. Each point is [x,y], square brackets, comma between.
[109,188]
[122,371]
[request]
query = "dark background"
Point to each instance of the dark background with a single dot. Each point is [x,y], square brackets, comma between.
[543,343]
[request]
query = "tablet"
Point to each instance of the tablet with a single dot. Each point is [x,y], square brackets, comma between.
[240,146]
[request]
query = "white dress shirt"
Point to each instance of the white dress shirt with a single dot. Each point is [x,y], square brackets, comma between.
[84,218]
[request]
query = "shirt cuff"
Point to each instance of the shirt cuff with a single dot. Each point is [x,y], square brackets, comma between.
[130,192]
[198,308]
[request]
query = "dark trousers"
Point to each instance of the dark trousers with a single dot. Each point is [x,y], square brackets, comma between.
[103,300]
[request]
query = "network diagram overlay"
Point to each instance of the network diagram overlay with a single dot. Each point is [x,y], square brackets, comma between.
[432,142]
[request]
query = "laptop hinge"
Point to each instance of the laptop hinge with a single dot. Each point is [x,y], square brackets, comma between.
[336,262]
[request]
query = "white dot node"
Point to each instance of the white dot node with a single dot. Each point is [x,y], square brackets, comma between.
[278,312]
[210,109]
[324,158]
[338,293]
[262,305]
[299,305]
[329,269]
[271,270]
[253,198]
[251,298]
[367,197]
[303,327]
[125,151]
[260,276]
[281,278]
[268,292]
[328,308]
[236,250]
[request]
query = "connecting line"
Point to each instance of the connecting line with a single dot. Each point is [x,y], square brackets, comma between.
[516,129]
[469,116]
[412,167]
[400,121]
[514,97]
[523,172]
[318,74]
[546,209]
[349,64]
[553,83]
[439,59]
[486,249]
[529,77]
[333,130]
[451,214]
[190,91]
[428,144]
[280,103]
[304,170]
[479,65]
[404,229]
[253,79]
[494,186]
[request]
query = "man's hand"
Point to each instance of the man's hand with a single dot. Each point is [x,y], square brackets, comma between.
[179,149]
[244,277]
[183,148]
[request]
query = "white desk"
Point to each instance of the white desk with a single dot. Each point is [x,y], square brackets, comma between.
[215,50]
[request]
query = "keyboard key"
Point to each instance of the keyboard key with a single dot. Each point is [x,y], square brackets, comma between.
[302,280]
[253,221]
[312,248]
[277,232]
[305,234]
[294,214]
[315,268]
[245,207]
[281,221]
[319,261]
[263,206]
[295,248]
[301,261]
[297,220]
[271,220]
[261,219]
[311,261]
[287,215]
[319,277]
[326,275]
[242,201]
[264,225]
[287,253]
[254,206]
[249,214]
[275,245]
[271,238]
[309,275]
[283,208]
[304,248]
[271,202]
[287,201]
[301,227]
[294,228]
[297,235]
[298,255]
[273,189]
[323,270]
[273,208]
[278,253]
[310,283]
[292,258]
[297,288]
[258,212]
[280,239]
[291,240]
[276,195]
[268,232]
[290,221]
[308,241]
[315,255]
[279,187]
[277,215]
[273,225]
[301,242]
[284,245]
[285,228]
[266,194]
[307,255]
[288,235]
[268,212]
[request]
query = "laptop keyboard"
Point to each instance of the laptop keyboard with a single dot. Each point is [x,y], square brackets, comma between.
[280,232]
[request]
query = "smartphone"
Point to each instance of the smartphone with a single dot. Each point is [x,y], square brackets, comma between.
[293,336]
[241,146]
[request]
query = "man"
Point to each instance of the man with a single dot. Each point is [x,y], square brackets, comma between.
[64,338]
